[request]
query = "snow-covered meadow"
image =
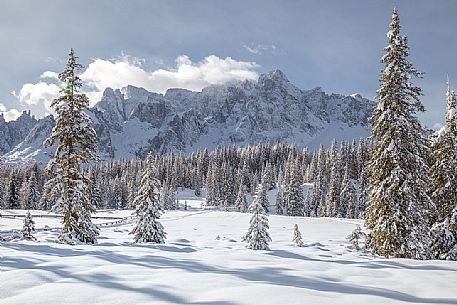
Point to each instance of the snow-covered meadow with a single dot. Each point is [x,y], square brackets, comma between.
[205,262]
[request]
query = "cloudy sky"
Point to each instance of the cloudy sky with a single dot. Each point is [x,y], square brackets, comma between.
[161,44]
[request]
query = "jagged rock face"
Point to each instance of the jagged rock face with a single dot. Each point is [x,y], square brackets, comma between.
[14,132]
[32,149]
[133,121]
[268,110]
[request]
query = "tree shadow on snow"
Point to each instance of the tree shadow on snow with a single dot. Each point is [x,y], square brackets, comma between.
[163,247]
[99,279]
[369,264]
[270,275]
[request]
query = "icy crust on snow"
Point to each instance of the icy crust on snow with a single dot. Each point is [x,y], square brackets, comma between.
[132,121]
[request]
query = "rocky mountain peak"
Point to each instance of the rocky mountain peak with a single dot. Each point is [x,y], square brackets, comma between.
[133,121]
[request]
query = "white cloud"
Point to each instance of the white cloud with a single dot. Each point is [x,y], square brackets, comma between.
[9,115]
[260,48]
[125,70]
[49,74]
[186,74]
[40,94]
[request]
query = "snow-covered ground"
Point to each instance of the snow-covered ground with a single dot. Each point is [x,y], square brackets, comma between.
[205,262]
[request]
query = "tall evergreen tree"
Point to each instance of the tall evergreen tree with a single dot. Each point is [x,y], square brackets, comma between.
[293,194]
[443,188]
[318,205]
[333,196]
[267,177]
[241,203]
[12,201]
[30,195]
[148,210]
[362,199]
[261,195]
[279,202]
[348,199]
[95,195]
[211,185]
[400,208]
[75,140]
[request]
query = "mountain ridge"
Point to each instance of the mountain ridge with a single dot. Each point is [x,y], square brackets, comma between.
[132,121]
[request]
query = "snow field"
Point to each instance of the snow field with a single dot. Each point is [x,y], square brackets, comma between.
[205,262]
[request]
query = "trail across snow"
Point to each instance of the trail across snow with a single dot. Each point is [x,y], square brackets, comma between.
[205,262]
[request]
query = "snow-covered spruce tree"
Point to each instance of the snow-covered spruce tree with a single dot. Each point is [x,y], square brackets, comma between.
[399,211]
[279,202]
[28,228]
[75,139]
[348,198]
[148,210]
[241,203]
[333,196]
[31,195]
[95,196]
[13,200]
[356,235]
[293,194]
[164,197]
[167,196]
[297,239]
[268,178]
[261,195]
[319,204]
[443,187]
[257,237]
[210,186]
[362,199]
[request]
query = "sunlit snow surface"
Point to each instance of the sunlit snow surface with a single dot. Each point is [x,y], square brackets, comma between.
[205,262]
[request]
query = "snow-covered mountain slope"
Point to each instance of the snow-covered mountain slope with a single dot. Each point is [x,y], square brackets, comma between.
[31,148]
[14,132]
[132,121]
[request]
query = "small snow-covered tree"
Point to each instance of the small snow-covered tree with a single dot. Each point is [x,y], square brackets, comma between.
[75,139]
[28,228]
[356,235]
[399,211]
[147,209]
[257,237]
[297,239]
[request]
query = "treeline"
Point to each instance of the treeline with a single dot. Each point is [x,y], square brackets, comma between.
[226,175]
